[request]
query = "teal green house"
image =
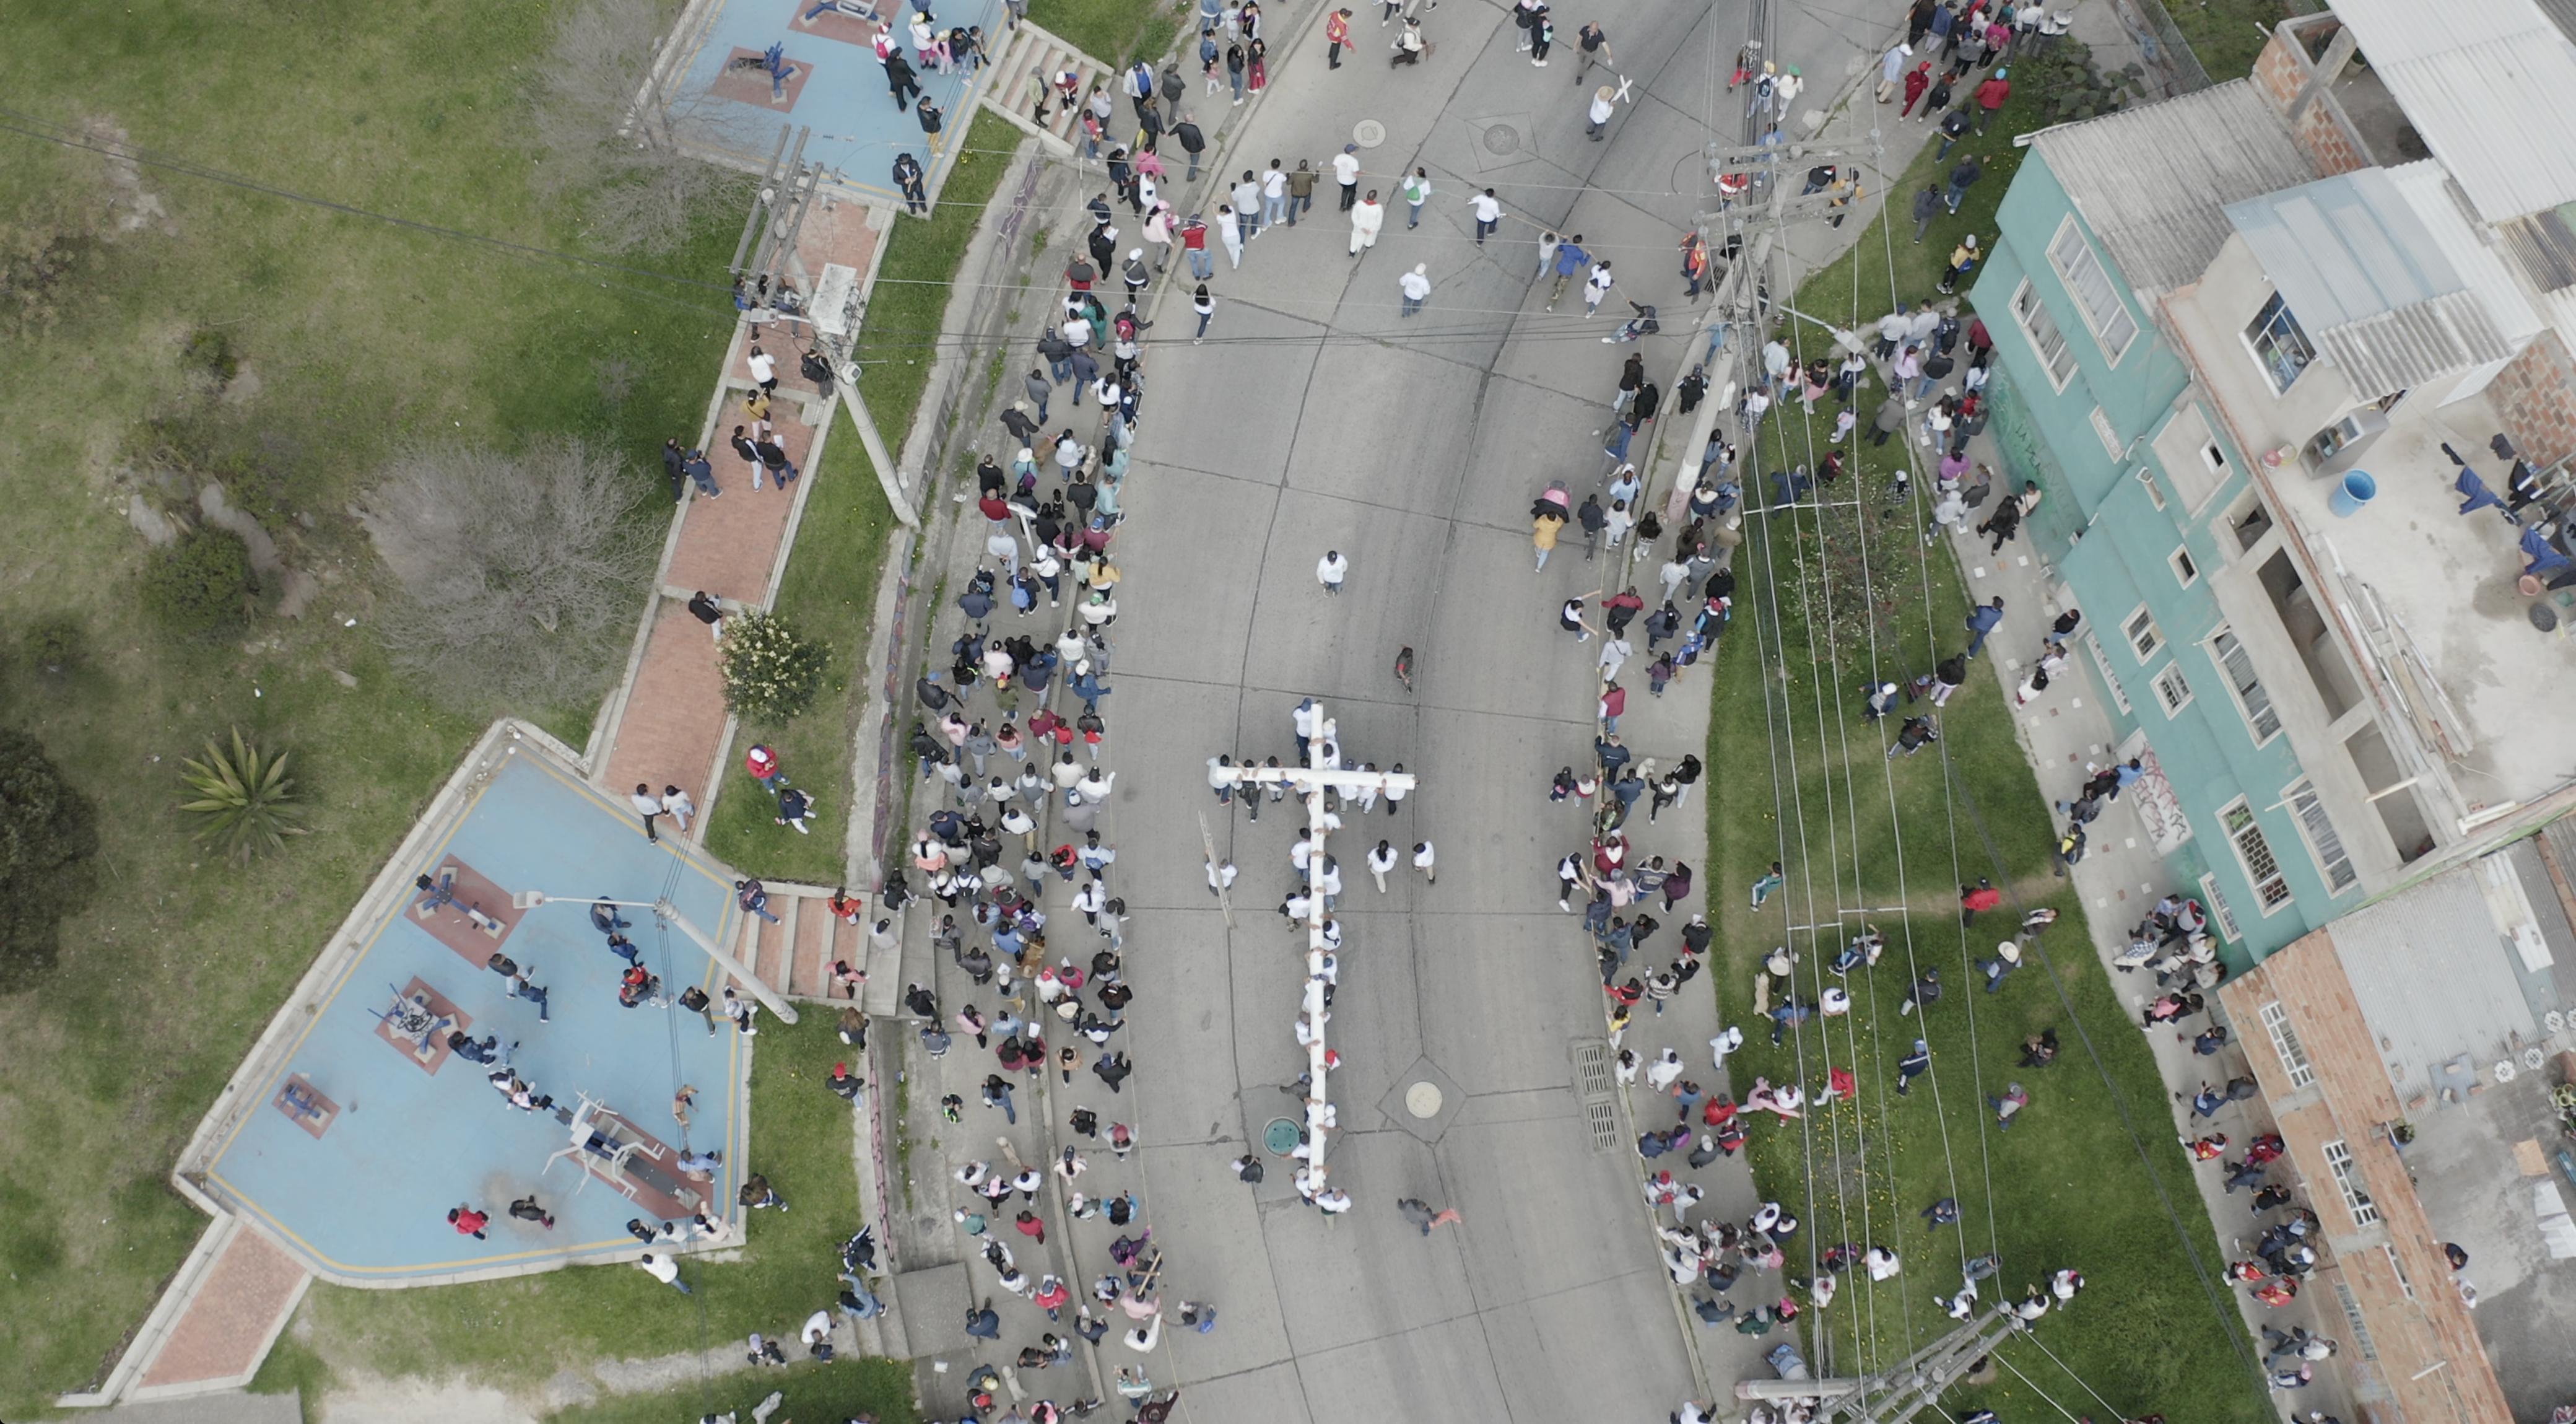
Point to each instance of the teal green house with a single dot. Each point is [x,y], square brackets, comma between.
[2241,358]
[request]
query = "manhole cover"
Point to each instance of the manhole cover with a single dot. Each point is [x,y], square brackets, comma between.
[1281,1136]
[1502,138]
[1369,133]
[1423,1100]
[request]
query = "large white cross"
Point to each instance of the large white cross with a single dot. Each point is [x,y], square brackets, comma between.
[1323,770]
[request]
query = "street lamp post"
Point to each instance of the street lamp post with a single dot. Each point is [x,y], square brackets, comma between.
[669,914]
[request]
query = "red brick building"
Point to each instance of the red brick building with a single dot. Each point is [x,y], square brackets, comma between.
[2407,1052]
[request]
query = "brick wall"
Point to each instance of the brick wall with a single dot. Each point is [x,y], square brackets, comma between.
[2321,136]
[2350,1097]
[2280,73]
[2535,398]
[2281,69]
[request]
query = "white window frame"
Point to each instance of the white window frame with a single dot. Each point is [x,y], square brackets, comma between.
[2254,853]
[2110,438]
[2096,296]
[2285,1044]
[2221,913]
[2186,569]
[2144,643]
[2039,327]
[2167,681]
[2264,333]
[2325,844]
[2146,477]
[2110,676]
[2262,718]
[2356,1198]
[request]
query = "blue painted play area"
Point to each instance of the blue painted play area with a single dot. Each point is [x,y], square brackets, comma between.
[355,1150]
[828,80]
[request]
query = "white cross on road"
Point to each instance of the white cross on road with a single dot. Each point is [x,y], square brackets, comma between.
[1323,770]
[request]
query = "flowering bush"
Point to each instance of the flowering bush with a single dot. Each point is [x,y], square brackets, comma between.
[771,672]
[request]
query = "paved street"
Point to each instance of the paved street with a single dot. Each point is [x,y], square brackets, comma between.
[1316,418]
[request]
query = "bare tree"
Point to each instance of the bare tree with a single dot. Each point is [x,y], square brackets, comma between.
[609,127]
[521,575]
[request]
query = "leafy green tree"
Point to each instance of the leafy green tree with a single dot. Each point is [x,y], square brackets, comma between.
[48,833]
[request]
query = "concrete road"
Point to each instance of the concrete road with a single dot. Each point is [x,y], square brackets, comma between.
[1314,417]
[1317,418]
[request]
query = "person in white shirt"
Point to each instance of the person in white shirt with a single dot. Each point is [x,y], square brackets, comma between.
[1331,569]
[1422,861]
[1381,859]
[1665,1071]
[764,369]
[665,1270]
[648,806]
[677,805]
[1220,876]
[1416,288]
[1489,216]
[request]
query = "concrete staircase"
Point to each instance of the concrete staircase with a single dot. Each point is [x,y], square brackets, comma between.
[1026,69]
[795,955]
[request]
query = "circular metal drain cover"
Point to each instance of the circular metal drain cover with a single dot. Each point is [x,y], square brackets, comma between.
[1502,138]
[1423,1100]
[1368,133]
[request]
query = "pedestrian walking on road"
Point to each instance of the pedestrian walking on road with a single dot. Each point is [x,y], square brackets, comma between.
[1592,47]
[1570,260]
[649,806]
[1488,211]
[1415,190]
[1346,173]
[1330,571]
[1205,306]
[1416,286]
[1597,116]
[1983,621]
[1337,33]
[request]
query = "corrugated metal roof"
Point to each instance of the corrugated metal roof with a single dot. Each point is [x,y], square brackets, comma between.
[2434,978]
[2153,182]
[2488,84]
[2369,284]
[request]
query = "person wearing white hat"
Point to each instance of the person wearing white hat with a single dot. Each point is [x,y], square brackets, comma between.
[1416,286]
[2007,959]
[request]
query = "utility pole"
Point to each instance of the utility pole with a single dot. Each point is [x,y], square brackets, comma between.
[1895,1395]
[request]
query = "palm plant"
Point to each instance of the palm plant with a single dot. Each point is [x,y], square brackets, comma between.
[245,800]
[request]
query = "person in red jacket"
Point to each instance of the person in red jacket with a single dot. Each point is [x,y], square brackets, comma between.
[1337,33]
[1916,81]
[762,763]
[468,1221]
[1991,96]
[1980,896]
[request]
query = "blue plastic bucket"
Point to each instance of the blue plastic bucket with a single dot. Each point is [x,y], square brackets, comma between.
[2351,492]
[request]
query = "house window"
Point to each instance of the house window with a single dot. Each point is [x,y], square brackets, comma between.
[2110,438]
[2110,679]
[2396,1267]
[2172,692]
[2215,458]
[2347,1178]
[2261,718]
[2254,854]
[2044,336]
[2143,636]
[2085,276]
[2279,345]
[2220,912]
[2146,478]
[2186,572]
[2285,1044]
[2353,1317]
[2323,843]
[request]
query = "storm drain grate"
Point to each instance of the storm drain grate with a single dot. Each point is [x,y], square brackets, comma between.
[1594,1087]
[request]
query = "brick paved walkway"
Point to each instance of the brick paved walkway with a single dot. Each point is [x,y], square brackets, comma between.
[670,726]
[234,1314]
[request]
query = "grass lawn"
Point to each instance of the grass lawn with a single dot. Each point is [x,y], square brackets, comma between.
[829,593]
[1113,31]
[878,1390]
[350,335]
[1837,599]
[513,1334]
[2226,35]
[899,340]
